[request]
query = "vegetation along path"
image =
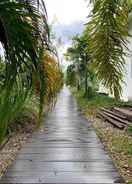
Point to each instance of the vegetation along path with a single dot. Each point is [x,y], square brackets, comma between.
[67,152]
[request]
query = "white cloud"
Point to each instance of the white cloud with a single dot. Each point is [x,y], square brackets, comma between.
[66,31]
[66,11]
[69,17]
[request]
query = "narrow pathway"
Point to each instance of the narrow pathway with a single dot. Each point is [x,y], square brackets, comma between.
[67,152]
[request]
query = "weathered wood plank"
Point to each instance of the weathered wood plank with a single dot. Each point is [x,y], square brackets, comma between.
[69,151]
[62,166]
[125,112]
[63,150]
[64,178]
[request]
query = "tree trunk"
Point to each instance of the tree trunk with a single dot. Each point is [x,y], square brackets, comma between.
[86,78]
[86,82]
[78,85]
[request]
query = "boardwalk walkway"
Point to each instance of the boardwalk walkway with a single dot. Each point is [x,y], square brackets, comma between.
[68,152]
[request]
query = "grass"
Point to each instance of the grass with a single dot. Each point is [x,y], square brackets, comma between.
[91,105]
[27,118]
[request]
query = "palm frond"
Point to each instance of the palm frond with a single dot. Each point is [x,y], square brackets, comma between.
[23,33]
[108,31]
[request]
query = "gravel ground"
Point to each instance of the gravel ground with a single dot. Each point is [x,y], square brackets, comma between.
[24,129]
[119,145]
[17,139]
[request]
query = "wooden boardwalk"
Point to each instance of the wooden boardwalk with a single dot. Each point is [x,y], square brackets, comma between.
[67,152]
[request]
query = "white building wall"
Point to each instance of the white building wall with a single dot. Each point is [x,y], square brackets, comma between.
[127,86]
[102,89]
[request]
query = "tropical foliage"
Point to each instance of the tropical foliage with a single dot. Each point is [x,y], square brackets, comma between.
[53,78]
[105,43]
[24,35]
[79,73]
[108,31]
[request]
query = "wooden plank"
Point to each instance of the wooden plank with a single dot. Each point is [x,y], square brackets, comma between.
[125,112]
[78,157]
[62,150]
[64,145]
[114,113]
[117,118]
[62,166]
[69,151]
[60,173]
[64,178]
[110,120]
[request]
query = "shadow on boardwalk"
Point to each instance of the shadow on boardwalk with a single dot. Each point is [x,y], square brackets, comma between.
[68,152]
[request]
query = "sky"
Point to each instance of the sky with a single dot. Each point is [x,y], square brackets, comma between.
[67,18]
[66,10]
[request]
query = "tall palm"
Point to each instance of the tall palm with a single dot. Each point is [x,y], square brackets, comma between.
[24,35]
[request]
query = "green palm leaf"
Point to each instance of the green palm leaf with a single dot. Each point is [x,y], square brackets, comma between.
[108,31]
[23,33]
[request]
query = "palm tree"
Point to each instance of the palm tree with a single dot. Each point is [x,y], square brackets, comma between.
[108,31]
[79,72]
[24,35]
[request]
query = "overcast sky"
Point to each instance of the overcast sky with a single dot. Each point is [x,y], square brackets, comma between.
[66,10]
[68,16]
